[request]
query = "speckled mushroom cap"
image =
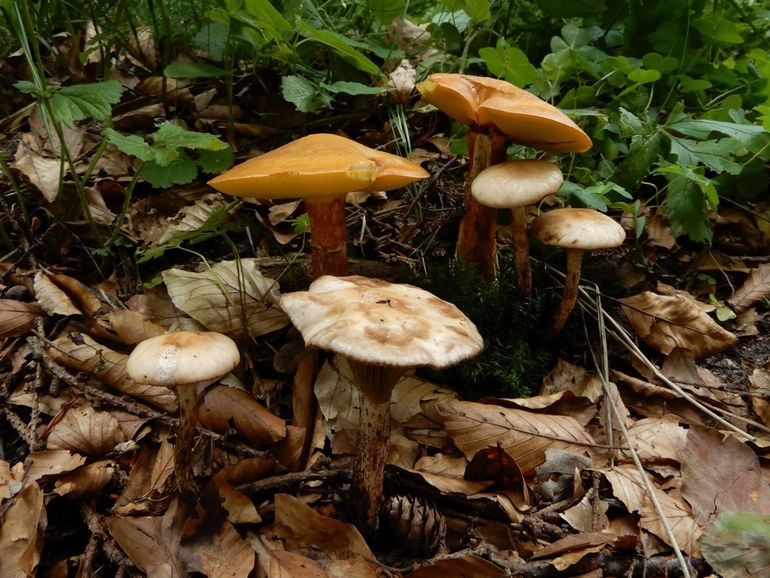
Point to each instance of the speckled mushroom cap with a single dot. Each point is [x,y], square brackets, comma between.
[183,357]
[373,321]
[578,229]
[319,165]
[516,183]
[525,118]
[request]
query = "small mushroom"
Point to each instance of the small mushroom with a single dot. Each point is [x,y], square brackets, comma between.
[576,231]
[514,185]
[185,361]
[497,113]
[382,329]
[321,169]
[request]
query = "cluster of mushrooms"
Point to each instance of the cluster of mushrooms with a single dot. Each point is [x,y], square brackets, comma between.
[383,329]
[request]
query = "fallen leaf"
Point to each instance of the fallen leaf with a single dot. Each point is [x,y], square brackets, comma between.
[460,566]
[755,287]
[51,298]
[220,554]
[669,321]
[17,317]
[44,173]
[278,563]
[51,463]
[232,297]
[86,481]
[192,217]
[148,480]
[132,327]
[524,435]
[223,407]
[21,533]
[81,428]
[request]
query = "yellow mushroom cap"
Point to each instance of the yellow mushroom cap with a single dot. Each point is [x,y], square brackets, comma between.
[321,166]
[525,118]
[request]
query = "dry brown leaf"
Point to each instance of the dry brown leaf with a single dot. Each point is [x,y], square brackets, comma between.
[51,463]
[568,377]
[465,565]
[150,542]
[588,515]
[223,407]
[721,474]
[573,548]
[43,173]
[148,480]
[10,484]
[132,327]
[51,298]
[84,429]
[81,295]
[628,487]
[232,297]
[86,481]
[659,439]
[278,563]
[79,351]
[223,554]
[524,435]
[21,533]
[401,81]
[754,288]
[669,321]
[193,217]
[17,317]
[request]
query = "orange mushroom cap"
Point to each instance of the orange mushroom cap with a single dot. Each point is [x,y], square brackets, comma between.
[319,166]
[522,116]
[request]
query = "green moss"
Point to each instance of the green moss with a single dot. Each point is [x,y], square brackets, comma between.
[512,363]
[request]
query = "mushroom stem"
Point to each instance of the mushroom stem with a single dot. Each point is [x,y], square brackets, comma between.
[571,282]
[375,383]
[187,395]
[476,241]
[328,236]
[521,250]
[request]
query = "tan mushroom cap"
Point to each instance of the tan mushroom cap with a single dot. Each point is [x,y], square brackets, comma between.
[578,229]
[182,358]
[318,165]
[381,323]
[525,118]
[516,183]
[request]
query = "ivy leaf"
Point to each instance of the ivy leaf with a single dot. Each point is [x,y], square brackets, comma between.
[91,100]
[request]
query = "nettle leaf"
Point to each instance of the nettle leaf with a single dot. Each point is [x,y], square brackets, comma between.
[687,209]
[132,145]
[173,136]
[181,171]
[715,154]
[92,100]
[510,63]
[303,94]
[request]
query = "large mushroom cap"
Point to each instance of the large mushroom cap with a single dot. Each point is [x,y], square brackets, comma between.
[182,358]
[381,323]
[321,165]
[516,183]
[525,118]
[578,229]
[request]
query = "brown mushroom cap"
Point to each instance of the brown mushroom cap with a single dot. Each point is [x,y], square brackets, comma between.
[525,118]
[516,183]
[578,229]
[318,165]
[381,323]
[183,357]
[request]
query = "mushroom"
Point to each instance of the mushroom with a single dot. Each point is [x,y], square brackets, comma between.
[496,112]
[185,361]
[575,230]
[514,185]
[322,169]
[382,329]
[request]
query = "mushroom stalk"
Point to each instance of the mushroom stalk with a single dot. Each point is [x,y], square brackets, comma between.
[328,239]
[521,250]
[571,283]
[187,395]
[376,384]
[476,240]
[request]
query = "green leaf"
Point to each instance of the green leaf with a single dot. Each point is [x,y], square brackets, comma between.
[342,46]
[641,76]
[354,88]
[716,154]
[510,63]
[215,161]
[302,93]
[737,544]
[92,100]
[718,31]
[572,9]
[132,145]
[27,87]
[193,70]
[478,10]
[702,128]
[386,10]
[170,135]
[687,209]
[180,172]
[655,61]
[267,14]
[643,152]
